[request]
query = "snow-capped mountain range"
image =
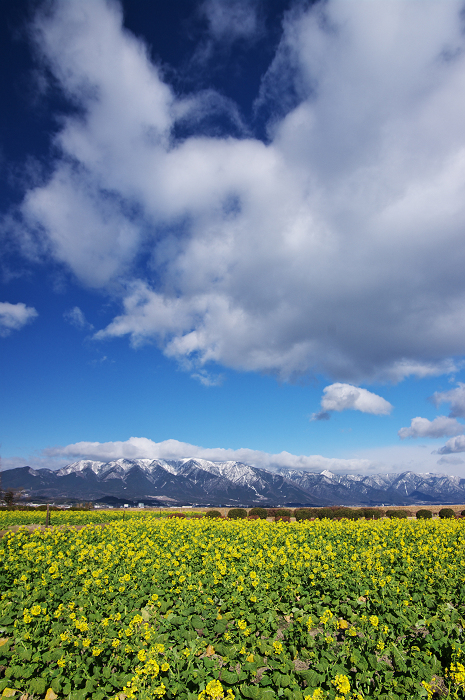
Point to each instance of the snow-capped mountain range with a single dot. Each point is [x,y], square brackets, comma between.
[199,481]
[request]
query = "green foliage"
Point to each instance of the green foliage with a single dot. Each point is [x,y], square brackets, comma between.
[237,513]
[424,514]
[213,514]
[397,514]
[305,514]
[447,513]
[265,610]
[261,512]
[273,512]
[338,512]
[372,513]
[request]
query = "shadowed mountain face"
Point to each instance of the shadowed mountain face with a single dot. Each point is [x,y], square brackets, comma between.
[197,481]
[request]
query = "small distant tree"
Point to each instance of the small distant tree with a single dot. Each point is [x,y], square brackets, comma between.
[9,498]
[237,513]
[446,513]
[261,512]
[372,513]
[397,514]
[305,513]
[282,512]
[213,514]
[424,514]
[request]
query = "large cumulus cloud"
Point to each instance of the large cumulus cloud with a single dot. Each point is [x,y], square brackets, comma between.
[337,247]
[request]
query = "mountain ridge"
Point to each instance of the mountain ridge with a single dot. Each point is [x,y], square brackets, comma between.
[191,481]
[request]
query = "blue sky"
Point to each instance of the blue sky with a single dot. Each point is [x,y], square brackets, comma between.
[233,229]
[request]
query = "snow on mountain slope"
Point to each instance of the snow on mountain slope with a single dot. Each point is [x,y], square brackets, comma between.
[204,481]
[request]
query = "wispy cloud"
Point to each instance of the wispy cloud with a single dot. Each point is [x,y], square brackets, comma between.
[207,378]
[456,398]
[76,317]
[229,20]
[14,316]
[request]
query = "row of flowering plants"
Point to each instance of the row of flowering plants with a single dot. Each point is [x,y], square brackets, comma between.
[207,609]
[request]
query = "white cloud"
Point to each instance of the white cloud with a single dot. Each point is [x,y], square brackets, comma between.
[456,444]
[341,397]
[441,426]
[231,19]
[207,378]
[139,448]
[388,459]
[456,398]
[454,461]
[336,248]
[14,316]
[76,317]
[403,457]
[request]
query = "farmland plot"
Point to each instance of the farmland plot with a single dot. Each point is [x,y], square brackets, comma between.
[212,609]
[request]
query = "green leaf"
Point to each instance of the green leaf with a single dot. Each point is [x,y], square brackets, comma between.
[38,685]
[312,678]
[25,654]
[229,677]
[78,695]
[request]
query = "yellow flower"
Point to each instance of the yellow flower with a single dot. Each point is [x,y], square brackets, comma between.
[214,690]
[115,643]
[36,610]
[165,666]
[343,624]
[318,694]
[278,647]
[327,615]
[96,651]
[86,642]
[342,683]
[374,620]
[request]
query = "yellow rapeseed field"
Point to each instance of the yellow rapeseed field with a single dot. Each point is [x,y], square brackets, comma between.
[201,609]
